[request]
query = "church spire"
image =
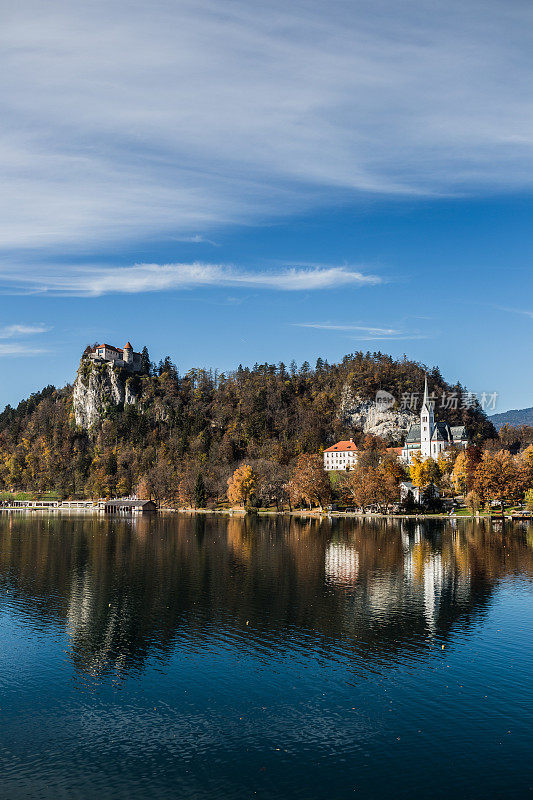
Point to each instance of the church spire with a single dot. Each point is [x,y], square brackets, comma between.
[425,401]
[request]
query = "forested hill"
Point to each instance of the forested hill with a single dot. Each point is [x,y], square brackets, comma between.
[522,416]
[203,421]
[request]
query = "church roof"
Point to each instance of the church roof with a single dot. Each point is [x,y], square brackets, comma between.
[459,433]
[442,432]
[413,435]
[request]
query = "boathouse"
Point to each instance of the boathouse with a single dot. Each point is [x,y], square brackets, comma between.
[127,506]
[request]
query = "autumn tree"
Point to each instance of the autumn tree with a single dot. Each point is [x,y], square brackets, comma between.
[526,467]
[424,472]
[497,478]
[241,485]
[185,492]
[459,474]
[367,486]
[310,482]
[473,502]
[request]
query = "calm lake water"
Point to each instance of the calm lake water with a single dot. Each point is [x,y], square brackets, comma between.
[215,657]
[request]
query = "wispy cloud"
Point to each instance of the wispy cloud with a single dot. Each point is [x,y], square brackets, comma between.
[96,281]
[198,113]
[364,332]
[10,331]
[19,349]
[523,312]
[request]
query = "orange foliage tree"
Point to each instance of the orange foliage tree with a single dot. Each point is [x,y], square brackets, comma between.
[498,477]
[241,485]
[309,481]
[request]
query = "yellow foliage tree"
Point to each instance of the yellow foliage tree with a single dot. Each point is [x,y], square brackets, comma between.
[459,474]
[241,485]
[424,472]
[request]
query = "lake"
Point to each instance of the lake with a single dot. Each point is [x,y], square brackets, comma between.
[219,657]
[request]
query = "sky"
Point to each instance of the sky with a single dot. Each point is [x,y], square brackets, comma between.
[237,182]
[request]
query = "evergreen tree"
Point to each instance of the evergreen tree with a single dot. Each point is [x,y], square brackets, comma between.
[146,364]
[200,498]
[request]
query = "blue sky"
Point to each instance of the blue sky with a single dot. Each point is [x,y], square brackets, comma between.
[237,182]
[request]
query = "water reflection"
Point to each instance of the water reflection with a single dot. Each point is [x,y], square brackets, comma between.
[129,590]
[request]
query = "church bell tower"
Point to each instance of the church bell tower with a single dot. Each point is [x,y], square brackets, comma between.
[427,423]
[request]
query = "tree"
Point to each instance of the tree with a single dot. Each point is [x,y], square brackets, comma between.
[459,473]
[362,485]
[310,482]
[241,485]
[473,502]
[529,499]
[199,492]
[146,364]
[424,473]
[185,492]
[526,467]
[497,477]
[370,485]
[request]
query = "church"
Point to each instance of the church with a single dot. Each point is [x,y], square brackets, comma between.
[431,438]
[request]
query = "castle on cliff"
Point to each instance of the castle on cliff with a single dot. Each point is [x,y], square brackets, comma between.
[121,357]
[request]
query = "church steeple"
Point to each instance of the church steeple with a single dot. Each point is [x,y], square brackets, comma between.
[425,401]
[427,422]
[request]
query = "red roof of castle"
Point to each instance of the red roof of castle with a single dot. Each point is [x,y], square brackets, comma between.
[110,347]
[341,447]
[128,346]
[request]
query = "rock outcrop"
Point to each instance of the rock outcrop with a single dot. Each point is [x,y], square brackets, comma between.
[99,387]
[380,417]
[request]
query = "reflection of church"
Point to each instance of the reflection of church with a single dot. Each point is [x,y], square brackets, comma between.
[422,579]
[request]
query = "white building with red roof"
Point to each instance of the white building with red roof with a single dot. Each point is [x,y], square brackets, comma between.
[121,357]
[340,456]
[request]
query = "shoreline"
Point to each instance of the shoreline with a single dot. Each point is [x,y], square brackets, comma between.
[345,515]
[88,508]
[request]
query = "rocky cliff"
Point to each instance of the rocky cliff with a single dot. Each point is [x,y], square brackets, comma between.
[380,417]
[99,387]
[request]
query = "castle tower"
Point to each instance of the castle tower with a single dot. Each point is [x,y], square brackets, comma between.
[128,353]
[427,423]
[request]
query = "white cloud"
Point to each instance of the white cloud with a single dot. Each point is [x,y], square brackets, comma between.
[98,280]
[124,120]
[9,331]
[365,333]
[18,349]
[521,311]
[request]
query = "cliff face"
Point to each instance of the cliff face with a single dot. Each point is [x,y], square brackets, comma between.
[97,388]
[380,417]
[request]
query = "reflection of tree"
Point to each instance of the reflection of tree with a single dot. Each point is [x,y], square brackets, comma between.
[127,590]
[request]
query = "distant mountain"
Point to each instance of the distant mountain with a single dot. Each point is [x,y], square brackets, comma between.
[517,416]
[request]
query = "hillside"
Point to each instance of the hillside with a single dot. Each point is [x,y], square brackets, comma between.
[514,417]
[114,430]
